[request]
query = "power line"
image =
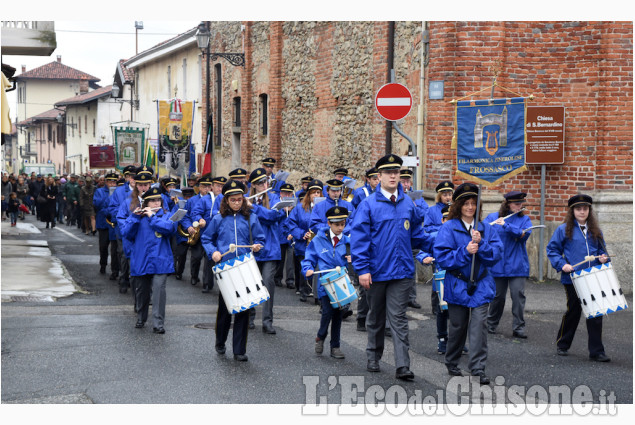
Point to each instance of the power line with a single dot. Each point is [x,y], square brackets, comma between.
[115,32]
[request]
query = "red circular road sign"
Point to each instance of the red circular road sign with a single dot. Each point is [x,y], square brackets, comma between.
[393,101]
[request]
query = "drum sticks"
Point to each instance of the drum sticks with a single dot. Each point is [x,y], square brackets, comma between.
[336,269]
[587,259]
[232,248]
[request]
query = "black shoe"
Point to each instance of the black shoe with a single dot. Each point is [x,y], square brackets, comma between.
[178,276]
[102,270]
[158,330]
[123,289]
[562,352]
[206,289]
[114,276]
[52,225]
[139,324]
[269,330]
[194,281]
[47,225]
[482,378]
[404,374]
[491,330]
[361,325]
[348,313]
[372,366]
[241,357]
[387,333]
[600,358]
[251,325]
[520,334]
[414,304]
[454,371]
[279,284]
[303,298]
[290,287]
[93,232]
[220,349]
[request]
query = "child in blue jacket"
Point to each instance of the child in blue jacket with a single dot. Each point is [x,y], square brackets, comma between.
[327,250]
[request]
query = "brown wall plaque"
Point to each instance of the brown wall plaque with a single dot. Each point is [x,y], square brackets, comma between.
[545,135]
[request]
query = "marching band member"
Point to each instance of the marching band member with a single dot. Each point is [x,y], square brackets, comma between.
[140,184]
[382,239]
[205,209]
[148,228]
[574,240]
[340,174]
[182,237]
[328,250]
[167,184]
[286,264]
[121,193]
[363,192]
[434,218]
[239,175]
[513,269]
[195,215]
[463,239]
[268,164]
[305,186]
[405,178]
[107,236]
[299,220]
[333,193]
[235,224]
[268,257]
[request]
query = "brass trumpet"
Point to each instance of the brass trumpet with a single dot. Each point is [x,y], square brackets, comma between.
[311,236]
[192,239]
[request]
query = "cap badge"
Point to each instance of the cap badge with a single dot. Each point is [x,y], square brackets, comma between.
[233,184]
[391,159]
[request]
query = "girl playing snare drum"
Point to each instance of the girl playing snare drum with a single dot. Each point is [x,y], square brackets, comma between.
[578,237]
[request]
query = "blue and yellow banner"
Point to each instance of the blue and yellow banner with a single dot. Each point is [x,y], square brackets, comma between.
[490,139]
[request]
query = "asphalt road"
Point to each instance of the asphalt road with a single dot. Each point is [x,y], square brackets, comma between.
[85,349]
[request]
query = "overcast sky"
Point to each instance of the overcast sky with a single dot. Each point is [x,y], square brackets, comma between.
[95,47]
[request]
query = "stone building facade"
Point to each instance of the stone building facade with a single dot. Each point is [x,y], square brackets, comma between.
[306,97]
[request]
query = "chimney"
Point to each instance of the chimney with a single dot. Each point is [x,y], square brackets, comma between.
[59,58]
[83,86]
[23,69]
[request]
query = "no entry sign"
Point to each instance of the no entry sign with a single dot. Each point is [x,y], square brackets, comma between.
[393,101]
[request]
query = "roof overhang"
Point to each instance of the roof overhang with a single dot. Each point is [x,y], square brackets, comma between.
[186,39]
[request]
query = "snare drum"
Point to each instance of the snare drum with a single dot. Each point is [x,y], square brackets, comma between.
[438,286]
[339,288]
[598,290]
[240,282]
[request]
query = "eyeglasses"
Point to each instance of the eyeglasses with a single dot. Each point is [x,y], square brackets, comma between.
[235,201]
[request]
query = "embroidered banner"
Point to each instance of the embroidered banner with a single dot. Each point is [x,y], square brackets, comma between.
[490,146]
[101,156]
[175,118]
[129,145]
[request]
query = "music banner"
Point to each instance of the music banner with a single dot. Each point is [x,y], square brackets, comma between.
[129,145]
[101,156]
[490,139]
[175,118]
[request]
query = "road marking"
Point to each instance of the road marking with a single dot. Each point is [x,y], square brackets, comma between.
[69,234]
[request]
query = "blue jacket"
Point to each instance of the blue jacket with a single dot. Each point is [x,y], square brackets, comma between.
[204,208]
[324,255]
[382,237]
[284,230]
[150,239]
[100,202]
[122,215]
[270,220]
[451,255]
[433,218]
[360,194]
[561,251]
[120,194]
[298,226]
[515,261]
[167,201]
[318,215]
[179,238]
[190,205]
[233,229]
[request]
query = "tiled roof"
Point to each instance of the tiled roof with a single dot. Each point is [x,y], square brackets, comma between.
[56,71]
[51,114]
[128,74]
[86,97]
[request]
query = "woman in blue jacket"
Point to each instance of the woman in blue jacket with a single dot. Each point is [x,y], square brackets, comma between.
[270,255]
[578,237]
[461,240]
[235,224]
[148,229]
[513,270]
[327,250]
[299,221]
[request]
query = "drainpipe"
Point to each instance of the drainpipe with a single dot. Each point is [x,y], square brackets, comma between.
[422,148]
[390,63]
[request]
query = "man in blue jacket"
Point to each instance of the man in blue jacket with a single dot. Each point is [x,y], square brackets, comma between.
[361,193]
[382,240]
[333,199]
[120,194]
[101,200]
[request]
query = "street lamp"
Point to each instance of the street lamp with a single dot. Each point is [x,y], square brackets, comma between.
[114,93]
[202,39]
[60,120]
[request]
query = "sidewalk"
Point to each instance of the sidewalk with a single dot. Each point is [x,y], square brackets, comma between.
[29,271]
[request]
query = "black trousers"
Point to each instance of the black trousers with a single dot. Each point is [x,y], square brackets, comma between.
[301,283]
[180,251]
[208,274]
[570,322]
[104,243]
[223,323]
[195,259]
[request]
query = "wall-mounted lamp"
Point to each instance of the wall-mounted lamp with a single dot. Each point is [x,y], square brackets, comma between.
[61,120]
[115,95]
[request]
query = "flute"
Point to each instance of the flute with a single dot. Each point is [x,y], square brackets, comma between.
[507,216]
[261,193]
